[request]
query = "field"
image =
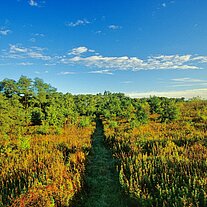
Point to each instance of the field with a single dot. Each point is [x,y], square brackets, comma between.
[99,150]
[163,164]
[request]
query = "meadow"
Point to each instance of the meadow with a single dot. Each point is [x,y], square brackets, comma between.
[50,145]
[163,164]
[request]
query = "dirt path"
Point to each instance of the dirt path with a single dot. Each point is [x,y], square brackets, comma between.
[102,182]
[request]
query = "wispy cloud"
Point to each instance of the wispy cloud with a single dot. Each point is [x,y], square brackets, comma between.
[164,4]
[36,36]
[202,92]
[98,32]
[33,3]
[17,49]
[133,63]
[50,64]
[188,82]
[42,72]
[4,32]
[80,50]
[39,35]
[66,73]
[36,3]
[106,72]
[84,56]
[19,52]
[79,22]
[202,59]
[126,82]
[114,27]
[25,63]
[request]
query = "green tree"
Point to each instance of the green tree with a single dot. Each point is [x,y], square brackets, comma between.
[169,111]
[37,116]
[12,115]
[25,91]
[154,103]
[8,87]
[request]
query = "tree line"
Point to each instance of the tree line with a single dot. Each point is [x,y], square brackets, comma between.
[32,102]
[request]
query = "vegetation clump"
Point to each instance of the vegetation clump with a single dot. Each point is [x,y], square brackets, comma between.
[158,146]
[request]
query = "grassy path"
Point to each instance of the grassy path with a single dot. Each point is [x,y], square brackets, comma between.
[102,182]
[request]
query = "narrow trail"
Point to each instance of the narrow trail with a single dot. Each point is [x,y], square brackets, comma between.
[102,181]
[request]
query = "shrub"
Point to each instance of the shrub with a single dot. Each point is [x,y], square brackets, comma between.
[84,121]
[37,116]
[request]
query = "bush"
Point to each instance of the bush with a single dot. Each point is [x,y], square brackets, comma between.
[169,111]
[43,129]
[134,124]
[37,116]
[84,121]
[113,124]
[24,143]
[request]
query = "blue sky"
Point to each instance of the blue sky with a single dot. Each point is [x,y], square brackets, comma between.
[137,47]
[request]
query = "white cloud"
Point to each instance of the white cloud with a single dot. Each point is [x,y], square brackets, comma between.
[25,63]
[38,55]
[188,82]
[106,72]
[4,32]
[173,58]
[80,50]
[39,35]
[126,82]
[131,63]
[19,52]
[36,3]
[164,4]
[38,48]
[202,59]
[17,49]
[114,27]
[80,22]
[33,3]
[108,64]
[66,73]
[42,72]
[202,92]
[98,32]
[50,64]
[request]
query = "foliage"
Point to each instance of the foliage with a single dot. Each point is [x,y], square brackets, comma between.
[45,136]
[38,172]
[163,164]
[37,116]
[166,108]
[84,121]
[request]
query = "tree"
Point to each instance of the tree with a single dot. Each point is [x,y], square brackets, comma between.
[12,114]
[42,91]
[8,87]
[169,111]
[154,103]
[37,116]
[85,104]
[25,91]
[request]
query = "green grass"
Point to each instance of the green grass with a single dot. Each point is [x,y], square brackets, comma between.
[102,187]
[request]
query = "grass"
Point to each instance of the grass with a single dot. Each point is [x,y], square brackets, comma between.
[102,187]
